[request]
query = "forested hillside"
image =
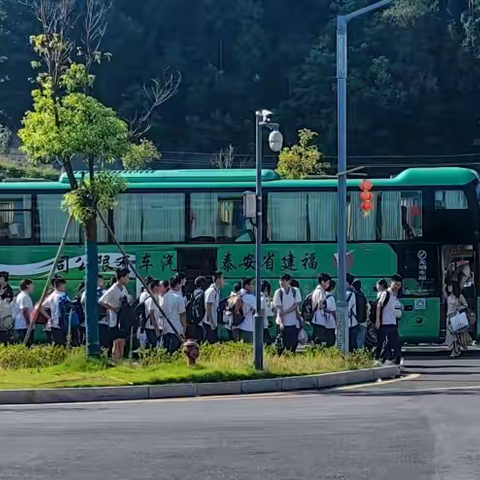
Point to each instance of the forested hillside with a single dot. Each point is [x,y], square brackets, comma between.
[414,85]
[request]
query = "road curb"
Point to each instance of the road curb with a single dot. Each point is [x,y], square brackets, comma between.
[182,390]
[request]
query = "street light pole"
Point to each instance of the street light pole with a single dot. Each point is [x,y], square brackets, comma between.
[258,320]
[262,120]
[342,73]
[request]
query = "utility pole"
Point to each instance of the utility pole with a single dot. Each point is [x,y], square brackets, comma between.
[342,74]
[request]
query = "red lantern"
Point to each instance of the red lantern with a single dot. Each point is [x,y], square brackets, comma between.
[366,185]
[367,206]
[366,196]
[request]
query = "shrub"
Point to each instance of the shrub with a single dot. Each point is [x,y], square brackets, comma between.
[18,356]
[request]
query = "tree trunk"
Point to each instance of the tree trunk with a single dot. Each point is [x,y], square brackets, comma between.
[91,301]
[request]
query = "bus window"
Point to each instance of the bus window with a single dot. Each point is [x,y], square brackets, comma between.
[401,214]
[150,217]
[217,216]
[323,216]
[15,216]
[53,219]
[287,217]
[450,200]
[361,226]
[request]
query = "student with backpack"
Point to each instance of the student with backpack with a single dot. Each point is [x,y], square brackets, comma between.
[173,305]
[362,313]
[233,331]
[23,310]
[287,300]
[249,308]
[112,301]
[212,300]
[352,313]
[154,319]
[388,312]
[267,311]
[316,311]
[59,305]
[6,316]
[196,310]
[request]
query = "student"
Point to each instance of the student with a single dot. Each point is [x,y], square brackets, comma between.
[387,307]
[362,313]
[56,303]
[111,301]
[154,320]
[173,306]
[23,309]
[267,311]
[286,300]
[319,297]
[352,313]
[5,287]
[380,287]
[330,312]
[196,309]
[212,300]
[249,308]
[6,317]
[103,329]
[233,331]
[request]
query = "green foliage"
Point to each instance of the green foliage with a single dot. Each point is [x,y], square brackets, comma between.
[9,169]
[139,155]
[302,159]
[18,356]
[100,193]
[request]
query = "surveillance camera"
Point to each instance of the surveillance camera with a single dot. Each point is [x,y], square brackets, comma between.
[276,141]
[266,114]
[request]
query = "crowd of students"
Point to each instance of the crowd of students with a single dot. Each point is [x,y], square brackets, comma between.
[170,316]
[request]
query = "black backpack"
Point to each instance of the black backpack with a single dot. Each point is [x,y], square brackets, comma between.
[127,316]
[139,312]
[373,311]
[361,306]
[196,309]
[308,312]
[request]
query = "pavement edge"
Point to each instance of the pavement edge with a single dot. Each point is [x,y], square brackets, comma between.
[145,392]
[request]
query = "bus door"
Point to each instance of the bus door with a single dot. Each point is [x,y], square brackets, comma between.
[421,295]
[459,265]
[196,262]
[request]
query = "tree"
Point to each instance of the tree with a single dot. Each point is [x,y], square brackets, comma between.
[302,159]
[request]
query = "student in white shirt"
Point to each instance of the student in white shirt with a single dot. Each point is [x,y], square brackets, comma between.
[387,322]
[287,300]
[352,313]
[233,331]
[154,319]
[319,297]
[196,324]
[249,308]
[112,300]
[55,328]
[103,328]
[212,300]
[173,306]
[23,310]
[267,311]
[330,316]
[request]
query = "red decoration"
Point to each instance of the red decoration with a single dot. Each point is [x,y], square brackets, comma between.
[367,206]
[366,185]
[366,196]
[416,211]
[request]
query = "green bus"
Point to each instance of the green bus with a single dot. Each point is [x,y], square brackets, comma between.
[425,225]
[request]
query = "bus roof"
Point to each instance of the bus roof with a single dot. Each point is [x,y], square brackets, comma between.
[245,178]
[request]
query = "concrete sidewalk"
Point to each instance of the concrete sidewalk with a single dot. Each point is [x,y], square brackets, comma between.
[144,392]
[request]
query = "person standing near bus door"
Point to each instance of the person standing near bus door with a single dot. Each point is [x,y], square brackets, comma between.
[23,310]
[212,300]
[287,300]
[112,300]
[173,305]
[387,317]
[267,311]
[249,307]
[154,323]
[233,331]
[56,302]
[352,313]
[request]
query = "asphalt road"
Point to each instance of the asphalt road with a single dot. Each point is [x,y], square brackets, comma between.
[423,427]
